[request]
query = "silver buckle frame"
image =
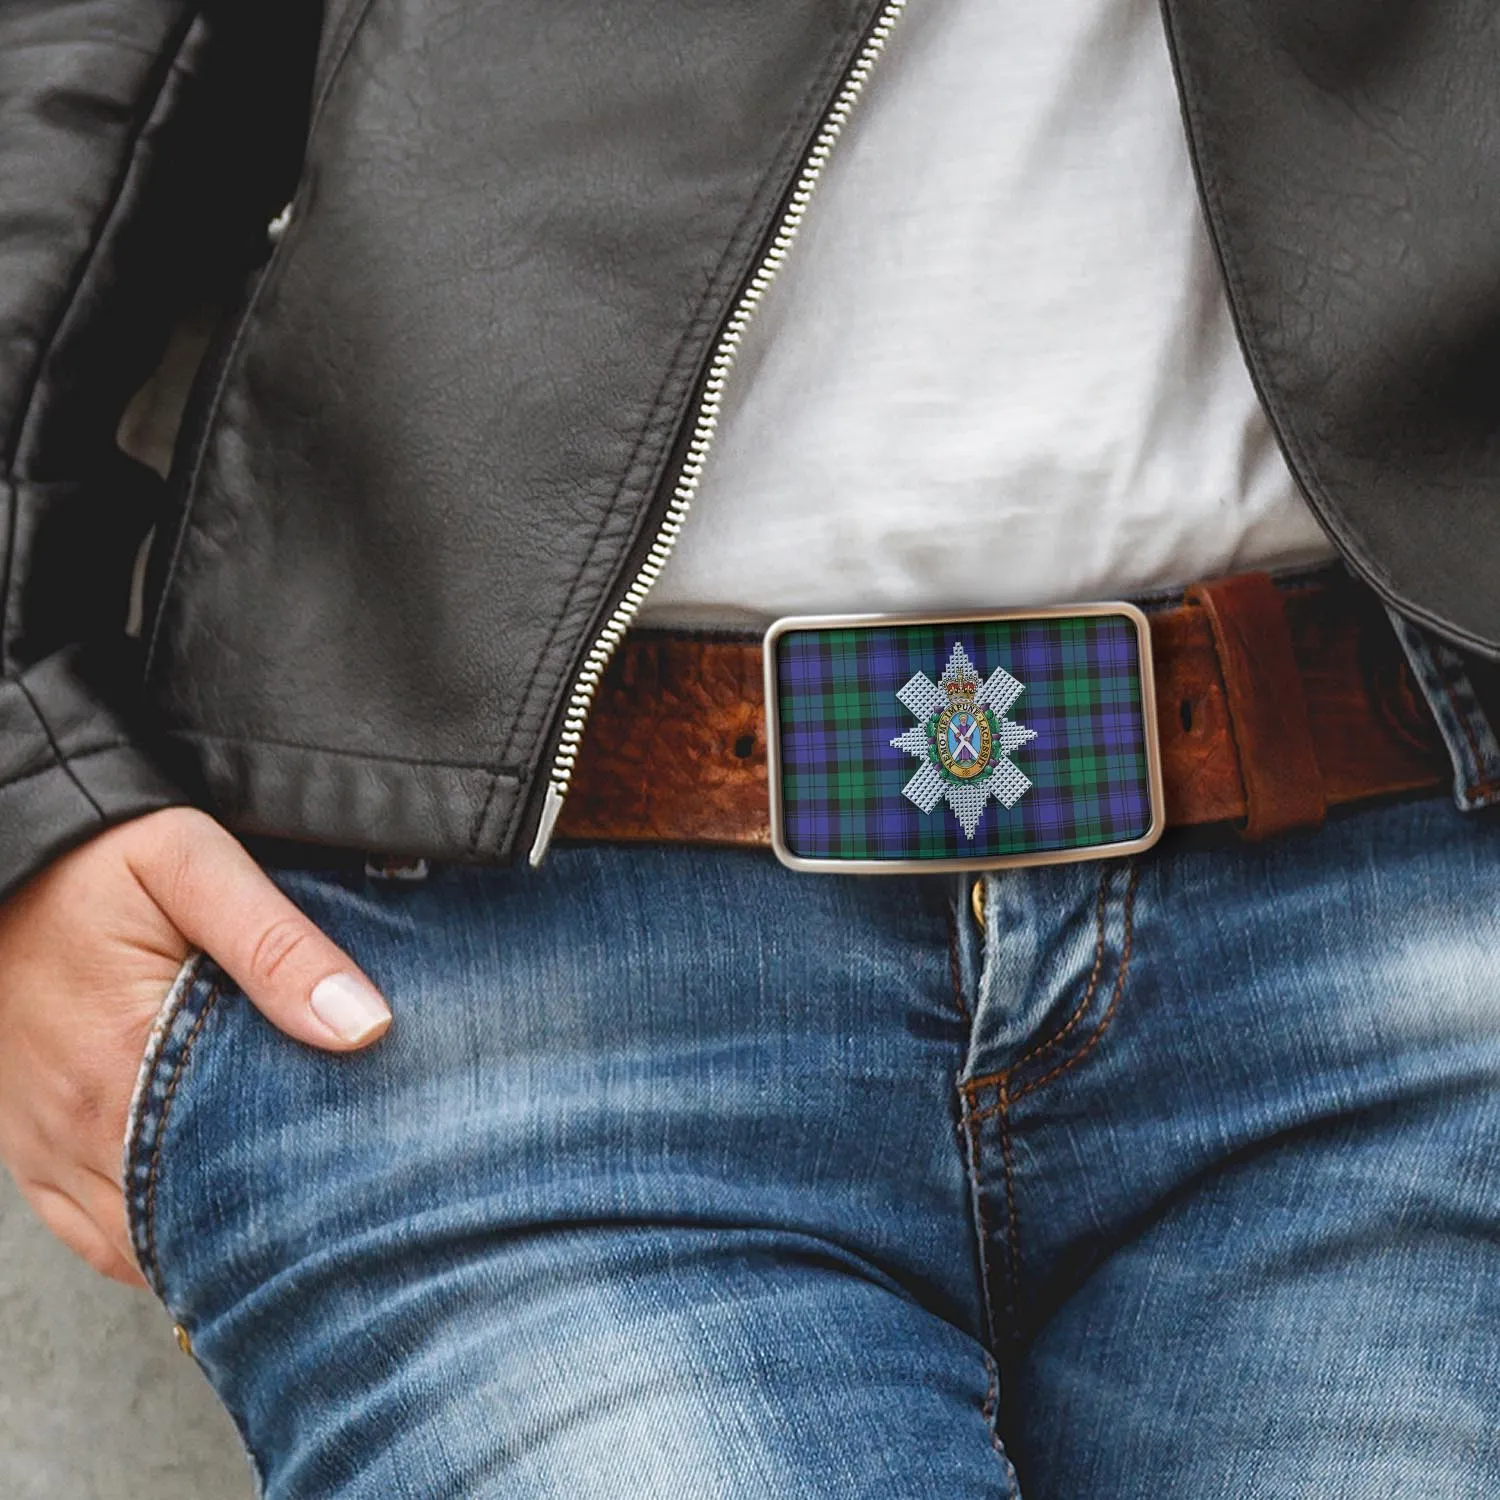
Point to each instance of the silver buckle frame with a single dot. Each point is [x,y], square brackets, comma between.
[936,865]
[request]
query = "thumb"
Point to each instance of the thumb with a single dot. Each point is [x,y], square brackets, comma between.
[220,900]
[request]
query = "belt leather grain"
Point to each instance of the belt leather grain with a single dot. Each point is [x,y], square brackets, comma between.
[1274,704]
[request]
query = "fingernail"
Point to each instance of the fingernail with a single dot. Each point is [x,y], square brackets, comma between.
[349,1007]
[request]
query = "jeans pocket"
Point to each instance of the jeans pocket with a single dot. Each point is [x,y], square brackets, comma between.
[177,1027]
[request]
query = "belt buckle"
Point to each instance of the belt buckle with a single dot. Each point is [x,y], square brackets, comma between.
[901,743]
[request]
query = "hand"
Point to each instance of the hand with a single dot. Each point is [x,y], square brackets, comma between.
[88,952]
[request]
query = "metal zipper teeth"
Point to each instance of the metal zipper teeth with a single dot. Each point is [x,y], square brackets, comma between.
[706,423]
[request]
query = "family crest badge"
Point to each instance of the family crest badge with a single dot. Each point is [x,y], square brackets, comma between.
[964,740]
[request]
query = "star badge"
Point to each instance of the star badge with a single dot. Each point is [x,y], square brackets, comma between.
[964,740]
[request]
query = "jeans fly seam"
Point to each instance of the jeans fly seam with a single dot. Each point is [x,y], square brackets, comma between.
[1012,1218]
[1097,1035]
[179,1067]
[1000,1111]
[981,1216]
[1040,1049]
[1012,1247]
[1008,1096]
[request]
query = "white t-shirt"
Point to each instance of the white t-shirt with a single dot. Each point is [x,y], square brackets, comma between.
[998,368]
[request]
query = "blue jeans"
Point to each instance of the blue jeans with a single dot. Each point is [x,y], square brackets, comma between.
[681,1175]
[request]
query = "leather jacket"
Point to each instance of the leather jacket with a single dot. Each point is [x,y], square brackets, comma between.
[455,417]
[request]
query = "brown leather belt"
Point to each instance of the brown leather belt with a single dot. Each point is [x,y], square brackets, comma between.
[1274,704]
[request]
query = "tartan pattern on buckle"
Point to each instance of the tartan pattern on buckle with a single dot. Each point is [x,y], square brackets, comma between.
[838,710]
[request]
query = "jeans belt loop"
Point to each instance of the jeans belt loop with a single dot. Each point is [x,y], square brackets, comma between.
[1468,735]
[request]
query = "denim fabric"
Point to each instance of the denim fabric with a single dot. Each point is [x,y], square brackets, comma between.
[682,1175]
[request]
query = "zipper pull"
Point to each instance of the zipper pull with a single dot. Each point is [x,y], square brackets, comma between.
[551,811]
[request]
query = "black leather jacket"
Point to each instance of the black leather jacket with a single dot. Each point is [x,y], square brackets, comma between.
[450,427]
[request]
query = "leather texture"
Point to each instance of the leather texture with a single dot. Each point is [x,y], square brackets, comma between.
[433,444]
[675,751]
[1345,152]
[449,413]
[676,748]
[140,142]
[1268,712]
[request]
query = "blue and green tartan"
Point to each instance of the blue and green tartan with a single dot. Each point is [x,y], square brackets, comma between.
[841,779]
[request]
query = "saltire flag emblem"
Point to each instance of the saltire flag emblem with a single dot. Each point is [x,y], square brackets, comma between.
[964,740]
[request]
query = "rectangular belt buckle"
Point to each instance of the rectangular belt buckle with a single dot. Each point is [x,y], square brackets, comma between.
[902,743]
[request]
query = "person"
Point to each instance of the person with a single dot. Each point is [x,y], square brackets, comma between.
[583,343]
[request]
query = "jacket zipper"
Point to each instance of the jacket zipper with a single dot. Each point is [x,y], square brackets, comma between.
[705,423]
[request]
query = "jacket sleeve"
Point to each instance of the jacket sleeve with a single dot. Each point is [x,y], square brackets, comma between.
[144,145]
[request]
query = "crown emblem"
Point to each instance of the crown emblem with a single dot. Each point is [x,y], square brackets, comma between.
[961,691]
[964,740]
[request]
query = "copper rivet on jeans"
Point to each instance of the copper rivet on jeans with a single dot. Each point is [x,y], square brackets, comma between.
[184,1341]
[976,901]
